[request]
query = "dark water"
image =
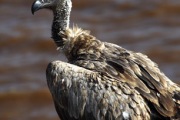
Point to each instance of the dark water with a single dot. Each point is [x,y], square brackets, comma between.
[148,26]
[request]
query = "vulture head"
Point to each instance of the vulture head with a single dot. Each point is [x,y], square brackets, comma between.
[47,4]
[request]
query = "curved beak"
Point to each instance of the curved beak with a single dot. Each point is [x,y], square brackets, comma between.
[36,6]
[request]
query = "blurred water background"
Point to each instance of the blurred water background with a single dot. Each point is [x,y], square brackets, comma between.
[148,26]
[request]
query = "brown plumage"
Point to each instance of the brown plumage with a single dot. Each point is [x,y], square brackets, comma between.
[104,81]
[120,72]
[81,94]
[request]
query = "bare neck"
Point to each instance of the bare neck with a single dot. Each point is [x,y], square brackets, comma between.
[61,21]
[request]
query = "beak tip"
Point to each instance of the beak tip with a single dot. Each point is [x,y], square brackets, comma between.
[35,6]
[32,11]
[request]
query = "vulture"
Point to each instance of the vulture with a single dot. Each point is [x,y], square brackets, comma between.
[101,80]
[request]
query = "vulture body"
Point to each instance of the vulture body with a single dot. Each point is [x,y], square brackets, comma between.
[103,81]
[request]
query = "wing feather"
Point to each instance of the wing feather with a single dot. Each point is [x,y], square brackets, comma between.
[145,76]
[92,96]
